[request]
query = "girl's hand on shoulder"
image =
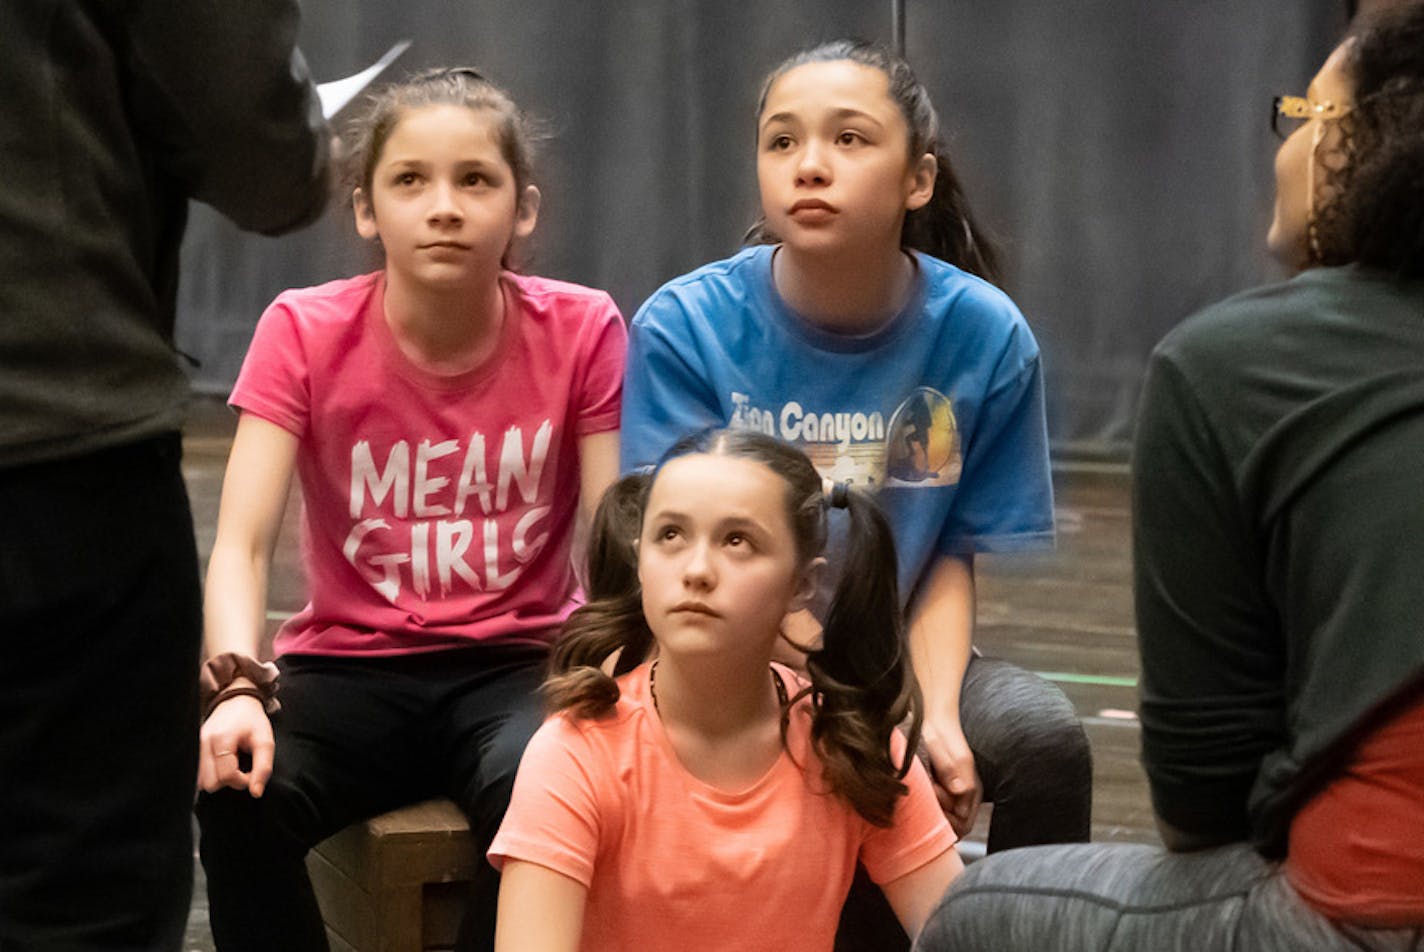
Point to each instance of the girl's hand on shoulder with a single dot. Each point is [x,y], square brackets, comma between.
[956,781]
[237,726]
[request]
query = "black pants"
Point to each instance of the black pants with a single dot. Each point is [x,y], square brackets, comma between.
[356,737]
[99,638]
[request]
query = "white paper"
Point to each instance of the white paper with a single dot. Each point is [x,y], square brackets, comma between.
[336,94]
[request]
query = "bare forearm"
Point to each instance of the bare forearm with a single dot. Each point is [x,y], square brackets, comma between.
[941,634]
[254,498]
[235,604]
[941,631]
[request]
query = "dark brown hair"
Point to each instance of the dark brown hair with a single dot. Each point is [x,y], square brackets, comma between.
[861,683]
[366,135]
[943,227]
[1374,214]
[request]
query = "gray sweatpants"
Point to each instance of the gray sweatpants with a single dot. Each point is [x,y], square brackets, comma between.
[1101,897]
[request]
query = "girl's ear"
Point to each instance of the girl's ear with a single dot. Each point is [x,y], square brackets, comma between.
[807,585]
[365,215]
[922,182]
[527,214]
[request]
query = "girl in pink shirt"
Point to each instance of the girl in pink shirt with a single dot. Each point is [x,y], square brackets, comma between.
[708,799]
[446,418]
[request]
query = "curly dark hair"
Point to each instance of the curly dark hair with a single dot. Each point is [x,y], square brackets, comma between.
[1375,211]
[862,687]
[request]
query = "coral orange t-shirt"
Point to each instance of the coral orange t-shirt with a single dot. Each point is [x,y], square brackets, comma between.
[673,863]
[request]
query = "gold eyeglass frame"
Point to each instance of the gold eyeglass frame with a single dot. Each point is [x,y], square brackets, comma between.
[1299,107]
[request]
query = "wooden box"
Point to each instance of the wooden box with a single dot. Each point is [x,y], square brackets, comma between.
[398,882]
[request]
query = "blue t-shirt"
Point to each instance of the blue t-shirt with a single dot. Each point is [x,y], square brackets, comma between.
[940,411]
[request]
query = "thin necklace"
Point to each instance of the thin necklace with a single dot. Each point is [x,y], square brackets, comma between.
[653,687]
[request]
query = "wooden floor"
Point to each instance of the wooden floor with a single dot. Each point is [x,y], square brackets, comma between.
[1065,614]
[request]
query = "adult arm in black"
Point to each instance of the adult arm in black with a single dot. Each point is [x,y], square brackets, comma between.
[222,95]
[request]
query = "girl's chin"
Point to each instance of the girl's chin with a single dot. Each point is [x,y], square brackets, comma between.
[704,646]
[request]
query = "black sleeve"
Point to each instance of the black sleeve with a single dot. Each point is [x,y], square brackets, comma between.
[1211,698]
[221,90]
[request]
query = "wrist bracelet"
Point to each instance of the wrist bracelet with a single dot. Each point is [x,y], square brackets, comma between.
[232,691]
[215,682]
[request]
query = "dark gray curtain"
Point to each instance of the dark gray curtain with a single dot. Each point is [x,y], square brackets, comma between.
[1120,149]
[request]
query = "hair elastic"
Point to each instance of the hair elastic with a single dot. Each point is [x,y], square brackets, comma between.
[215,681]
[465,71]
[838,494]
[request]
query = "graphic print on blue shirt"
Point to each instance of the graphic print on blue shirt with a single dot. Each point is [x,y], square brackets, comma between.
[919,446]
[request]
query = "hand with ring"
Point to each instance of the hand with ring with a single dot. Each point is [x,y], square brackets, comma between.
[237,724]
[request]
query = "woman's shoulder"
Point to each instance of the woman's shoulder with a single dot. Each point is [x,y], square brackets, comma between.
[1259,328]
[1272,316]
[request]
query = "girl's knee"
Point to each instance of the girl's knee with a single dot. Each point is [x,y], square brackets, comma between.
[1054,747]
[485,795]
[1012,714]
[234,820]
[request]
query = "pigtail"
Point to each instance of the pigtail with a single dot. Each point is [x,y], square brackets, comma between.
[612,537]
[945,229]
[862,687]
[613,617]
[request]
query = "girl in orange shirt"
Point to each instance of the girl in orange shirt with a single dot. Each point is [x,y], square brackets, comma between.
[708,798]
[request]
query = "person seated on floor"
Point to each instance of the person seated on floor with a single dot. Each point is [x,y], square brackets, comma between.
[709,798]
[1278,530]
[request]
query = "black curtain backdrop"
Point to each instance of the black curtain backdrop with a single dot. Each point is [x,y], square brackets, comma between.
[1120,150]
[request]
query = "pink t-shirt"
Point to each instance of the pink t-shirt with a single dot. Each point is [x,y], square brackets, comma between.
[438,509]
[673,863]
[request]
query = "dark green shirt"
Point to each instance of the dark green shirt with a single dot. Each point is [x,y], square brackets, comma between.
[1278,543]
[114,114]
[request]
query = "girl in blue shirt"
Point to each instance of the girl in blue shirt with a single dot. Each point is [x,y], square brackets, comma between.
[864,327]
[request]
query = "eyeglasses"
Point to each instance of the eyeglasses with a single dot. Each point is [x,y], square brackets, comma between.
[1289,113]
